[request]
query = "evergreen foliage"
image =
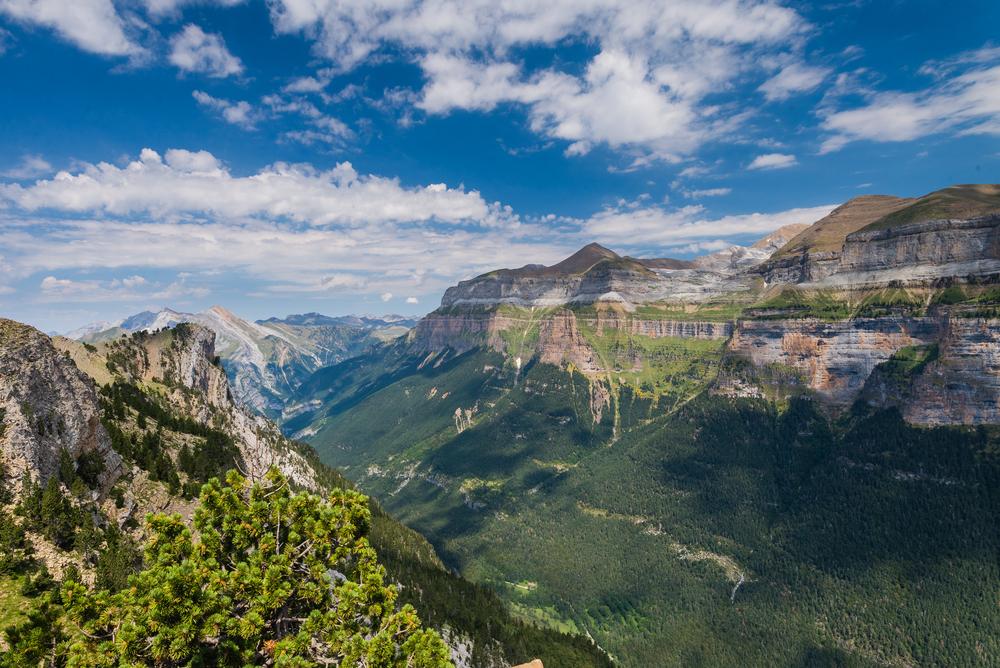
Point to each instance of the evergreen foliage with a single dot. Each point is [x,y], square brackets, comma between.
[273,578]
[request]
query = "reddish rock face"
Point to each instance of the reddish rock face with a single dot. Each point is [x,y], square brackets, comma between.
[834,358]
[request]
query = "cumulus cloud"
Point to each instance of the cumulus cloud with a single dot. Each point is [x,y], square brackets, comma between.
[239,113]
[644,91]
[965,99]
[385,296]
[92,25]
[773,161]
[196,182]
[412,300]
[794,78]
[194,50]
[193,162]
[31,166]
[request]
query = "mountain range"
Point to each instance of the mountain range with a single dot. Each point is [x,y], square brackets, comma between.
[267,359]
[786,455]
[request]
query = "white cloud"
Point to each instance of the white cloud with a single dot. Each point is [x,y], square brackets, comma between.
[193,162]
[794,78]
[196,182]
[306,85]
[31,166]
[773,161]
[658,226]
[161,8]
[92,25]
[194,50]
[239,113]
[412,300]
[708,192]
[385,296]
[115,290]
[643,92]
[967,103]
[325,129]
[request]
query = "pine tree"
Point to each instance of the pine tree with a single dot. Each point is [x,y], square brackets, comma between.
[57,515]
[274,578]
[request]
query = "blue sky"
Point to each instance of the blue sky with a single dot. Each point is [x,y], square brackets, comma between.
[312,155]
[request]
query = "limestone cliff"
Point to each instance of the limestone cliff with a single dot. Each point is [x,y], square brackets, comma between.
[874,240]
[46,405]
[954,380]
[833,359]
[596,274]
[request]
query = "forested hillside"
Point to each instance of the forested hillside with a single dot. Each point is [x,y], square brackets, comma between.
[726,531]
[84,527]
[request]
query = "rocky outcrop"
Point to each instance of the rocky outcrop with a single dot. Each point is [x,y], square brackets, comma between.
[189,360]
[833,359]
[46,405]
[959,384]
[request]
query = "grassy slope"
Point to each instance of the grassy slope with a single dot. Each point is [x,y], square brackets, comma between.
[963,201]
[828,234]
[640,541]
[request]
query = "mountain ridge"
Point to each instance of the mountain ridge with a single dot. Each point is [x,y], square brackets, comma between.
[265,359]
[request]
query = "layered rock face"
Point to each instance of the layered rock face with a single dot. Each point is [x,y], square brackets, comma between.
[813,254]
[554,333]
[918,252]
[879,240]
[834,359]
[596,274]
[961,386]
[46,405]
[874,256]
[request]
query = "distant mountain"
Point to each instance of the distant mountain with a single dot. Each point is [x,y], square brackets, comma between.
[267,359]
[318,320]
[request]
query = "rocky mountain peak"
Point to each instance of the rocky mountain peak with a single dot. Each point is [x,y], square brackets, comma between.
[584,259]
